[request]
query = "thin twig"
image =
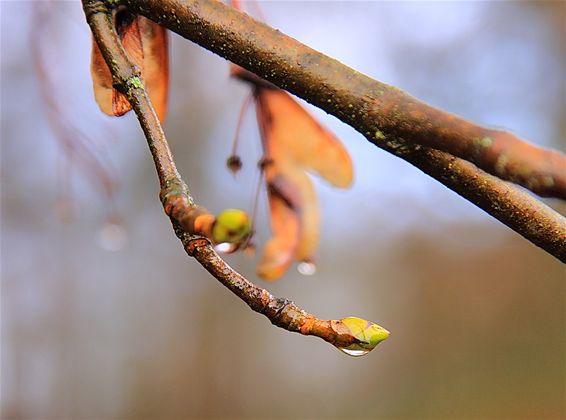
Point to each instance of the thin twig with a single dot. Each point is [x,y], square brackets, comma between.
[179,205]
[387,117]
[242,113]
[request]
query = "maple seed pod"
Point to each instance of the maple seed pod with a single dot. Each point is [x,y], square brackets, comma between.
[367,333]
[234,163]
[231,226]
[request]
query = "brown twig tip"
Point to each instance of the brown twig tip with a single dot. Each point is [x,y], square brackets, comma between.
[354,336]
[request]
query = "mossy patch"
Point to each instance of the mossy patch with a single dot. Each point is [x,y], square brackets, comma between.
[135,83]
[379,135]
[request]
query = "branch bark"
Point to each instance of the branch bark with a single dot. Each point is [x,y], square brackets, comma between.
[352,335]
[387,117]
[377,110]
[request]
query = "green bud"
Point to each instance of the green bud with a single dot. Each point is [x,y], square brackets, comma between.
[232,226]
[368,333]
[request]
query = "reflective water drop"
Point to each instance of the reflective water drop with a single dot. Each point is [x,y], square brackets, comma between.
[112,236]
[354,352]
[225,248]
[306,268]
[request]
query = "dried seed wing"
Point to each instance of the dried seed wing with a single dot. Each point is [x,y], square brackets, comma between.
[110,101]
[146,45]
[309,214]
[279,251]
[101,80]
[155,45]
[303,139]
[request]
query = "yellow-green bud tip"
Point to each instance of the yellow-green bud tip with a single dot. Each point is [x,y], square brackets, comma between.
[231,226]
[368,333]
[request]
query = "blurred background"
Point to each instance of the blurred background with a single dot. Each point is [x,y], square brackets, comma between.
[104,316]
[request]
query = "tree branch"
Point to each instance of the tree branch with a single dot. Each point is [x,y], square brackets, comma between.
[387,117]
[377,110]
[352,335]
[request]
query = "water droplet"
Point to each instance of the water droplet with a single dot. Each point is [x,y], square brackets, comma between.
[112,236]
[225,248]
[306,268]
[354,352]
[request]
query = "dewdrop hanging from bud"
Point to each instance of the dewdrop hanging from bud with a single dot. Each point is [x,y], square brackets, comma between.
[306,268]
[225,248]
